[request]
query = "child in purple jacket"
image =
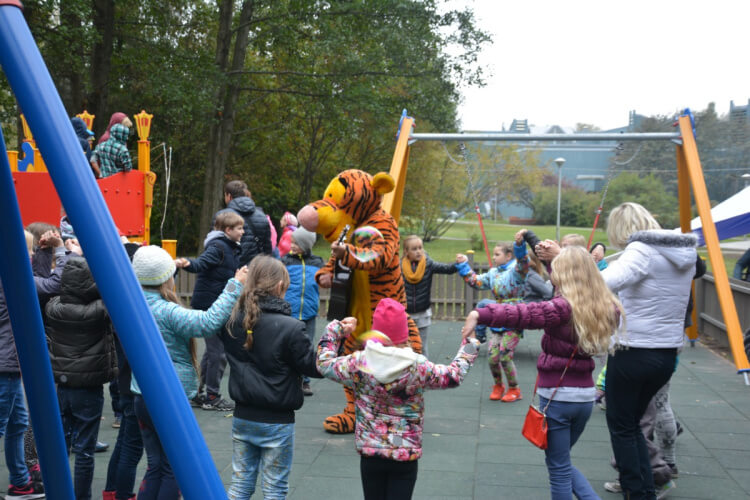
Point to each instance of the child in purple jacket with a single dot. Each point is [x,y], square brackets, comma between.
[577,324]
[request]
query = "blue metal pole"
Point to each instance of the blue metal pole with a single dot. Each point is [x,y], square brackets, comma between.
[174,420]
[31,343]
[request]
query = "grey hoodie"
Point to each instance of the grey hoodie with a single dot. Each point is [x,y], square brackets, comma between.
[653,277]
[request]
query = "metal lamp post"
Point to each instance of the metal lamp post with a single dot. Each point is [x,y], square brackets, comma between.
[559,162]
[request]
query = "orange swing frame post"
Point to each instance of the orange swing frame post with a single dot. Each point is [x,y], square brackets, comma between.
[690,173]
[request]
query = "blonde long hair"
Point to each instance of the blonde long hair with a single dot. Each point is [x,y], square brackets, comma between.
[263,277]
[166,290]
[594,306]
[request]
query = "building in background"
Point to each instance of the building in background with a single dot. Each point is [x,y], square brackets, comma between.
[586,163]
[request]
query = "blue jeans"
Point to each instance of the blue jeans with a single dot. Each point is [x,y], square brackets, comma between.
[13,423]
[261,446]
[565,422]
[81,411]
[159,481]
[127,453]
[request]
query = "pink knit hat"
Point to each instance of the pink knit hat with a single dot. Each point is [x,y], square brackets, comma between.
[390,319]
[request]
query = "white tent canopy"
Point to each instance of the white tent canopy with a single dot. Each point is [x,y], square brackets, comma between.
[731,217]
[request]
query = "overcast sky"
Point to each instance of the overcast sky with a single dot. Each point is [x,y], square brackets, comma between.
[592,61]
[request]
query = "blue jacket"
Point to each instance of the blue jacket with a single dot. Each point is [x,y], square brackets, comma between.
[303,294]
[505,282]
[218,262]
[178,325]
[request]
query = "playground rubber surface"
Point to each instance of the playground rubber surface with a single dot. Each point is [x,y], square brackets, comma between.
[473,448]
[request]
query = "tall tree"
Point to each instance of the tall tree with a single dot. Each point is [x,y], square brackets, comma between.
[222,126]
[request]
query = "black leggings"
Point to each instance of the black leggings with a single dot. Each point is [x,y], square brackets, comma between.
[384,479]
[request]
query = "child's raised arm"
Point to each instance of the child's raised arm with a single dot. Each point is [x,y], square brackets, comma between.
[340,369]
[474,280]
[195,323]
[447,376]
[211,257]
[522,258]
[532,315]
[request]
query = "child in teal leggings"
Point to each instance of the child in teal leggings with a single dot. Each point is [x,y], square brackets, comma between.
[506,281]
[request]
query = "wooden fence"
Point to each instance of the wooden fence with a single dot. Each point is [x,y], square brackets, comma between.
[708,309]
[452,299]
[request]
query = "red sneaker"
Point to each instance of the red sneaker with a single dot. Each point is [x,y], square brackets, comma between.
[31,491]
[497,392]
[513,394]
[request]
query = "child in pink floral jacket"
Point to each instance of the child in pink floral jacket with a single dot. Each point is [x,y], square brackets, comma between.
[389,382]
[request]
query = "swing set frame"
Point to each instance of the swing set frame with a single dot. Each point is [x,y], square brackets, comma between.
[689,174]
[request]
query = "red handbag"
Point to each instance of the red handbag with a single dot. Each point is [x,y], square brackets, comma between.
[535,424]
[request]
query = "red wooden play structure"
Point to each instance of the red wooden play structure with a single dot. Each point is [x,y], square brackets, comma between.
[129,195]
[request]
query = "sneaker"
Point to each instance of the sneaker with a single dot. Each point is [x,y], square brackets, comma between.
[36,473]
[513,394]
[117,422]
[30,491]
[217,403]
[497,392]
[198,400]
[664,489]
[306,389]
[613,486]
[100,447]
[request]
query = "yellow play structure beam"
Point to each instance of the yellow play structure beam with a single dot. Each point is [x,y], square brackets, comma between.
[689,169]
[393,201]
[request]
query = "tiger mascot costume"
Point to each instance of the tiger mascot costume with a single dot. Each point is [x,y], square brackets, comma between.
[354,197]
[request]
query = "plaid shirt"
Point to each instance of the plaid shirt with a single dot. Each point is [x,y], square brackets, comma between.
[112,154]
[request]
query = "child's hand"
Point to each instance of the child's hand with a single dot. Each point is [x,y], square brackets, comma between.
[519,237]
[241,275]
[72,246]
[51,239]
[469,325]
[349,324]
[547,250]
[181,263]
[461,258]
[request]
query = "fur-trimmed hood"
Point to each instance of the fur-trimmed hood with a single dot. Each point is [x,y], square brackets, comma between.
[677,248]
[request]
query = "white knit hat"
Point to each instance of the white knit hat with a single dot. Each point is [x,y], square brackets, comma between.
[153,265]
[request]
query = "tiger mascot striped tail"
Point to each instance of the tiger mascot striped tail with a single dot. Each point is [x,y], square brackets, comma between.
[353,198]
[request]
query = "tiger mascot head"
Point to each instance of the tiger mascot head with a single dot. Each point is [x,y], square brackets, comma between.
[350,198]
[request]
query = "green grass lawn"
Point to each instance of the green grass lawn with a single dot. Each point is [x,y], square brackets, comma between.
[458,240]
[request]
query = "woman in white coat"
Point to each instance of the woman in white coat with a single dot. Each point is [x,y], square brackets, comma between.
[652,278]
